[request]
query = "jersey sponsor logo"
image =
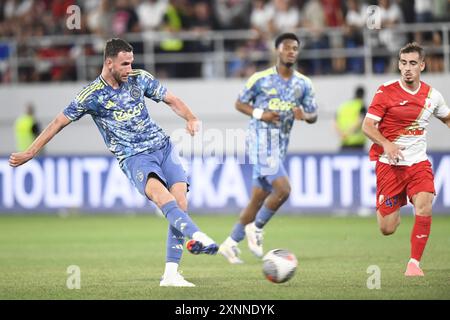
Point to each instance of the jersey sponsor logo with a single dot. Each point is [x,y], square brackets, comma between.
[414,131]
[124,115]
[279,105]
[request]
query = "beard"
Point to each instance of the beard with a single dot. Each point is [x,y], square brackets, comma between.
[287,64]
[407,81]
[116,76]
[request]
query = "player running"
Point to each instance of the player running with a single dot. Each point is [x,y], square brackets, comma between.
[396,122]
[115,101]
[273,98]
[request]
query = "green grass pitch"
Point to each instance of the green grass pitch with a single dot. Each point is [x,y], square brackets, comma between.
[122,257]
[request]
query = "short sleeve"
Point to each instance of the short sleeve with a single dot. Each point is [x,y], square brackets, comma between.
[377,108]
[250,91]
[442,110]
[153,89]
[77,108]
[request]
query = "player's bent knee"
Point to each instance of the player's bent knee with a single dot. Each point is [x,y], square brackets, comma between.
[424,210]
[160,198]
[388,230]
[283,193]
[182,203]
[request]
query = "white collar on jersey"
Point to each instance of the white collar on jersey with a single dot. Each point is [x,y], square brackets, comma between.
[409,91]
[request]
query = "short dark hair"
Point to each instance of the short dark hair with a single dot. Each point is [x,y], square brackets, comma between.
[359,92]
[412,47]
[114,46]
[284,36]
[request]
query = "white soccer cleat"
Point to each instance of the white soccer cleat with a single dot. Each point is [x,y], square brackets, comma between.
[255,239]
[176,280]
[230,251]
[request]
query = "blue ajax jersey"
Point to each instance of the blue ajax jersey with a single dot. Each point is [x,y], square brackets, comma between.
[267,90]
[121,115]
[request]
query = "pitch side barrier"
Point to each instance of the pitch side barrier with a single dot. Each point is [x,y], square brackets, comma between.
[320,183]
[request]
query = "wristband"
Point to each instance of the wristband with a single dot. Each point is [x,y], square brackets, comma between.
[257,113]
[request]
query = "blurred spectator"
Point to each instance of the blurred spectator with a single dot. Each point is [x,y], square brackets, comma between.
[423,10]
[355,21]
[232,14]
[333,12]
[441,10]
[201,22]
[348,121]
[389,37]
[335,18]
[261,15]
[99,20]
[434,60]
[151,13]
[286,17]
[26,128]
[124,19]
[315,22]
[176,19]
[248,58]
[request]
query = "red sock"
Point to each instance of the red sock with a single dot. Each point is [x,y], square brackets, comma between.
[419,236]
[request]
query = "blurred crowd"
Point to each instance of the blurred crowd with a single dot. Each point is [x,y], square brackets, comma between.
[23,20]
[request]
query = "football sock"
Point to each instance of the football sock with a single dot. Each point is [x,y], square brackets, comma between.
[179,219]
[174,245]
[238,233]
[419,236]
[263,216]
[171,269]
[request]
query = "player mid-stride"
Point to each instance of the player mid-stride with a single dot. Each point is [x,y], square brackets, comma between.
[273,98]
[115,101]
[396,122]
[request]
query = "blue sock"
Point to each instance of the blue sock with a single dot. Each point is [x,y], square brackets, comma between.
[179,219]
[174,245]
[238,233]
[263,216]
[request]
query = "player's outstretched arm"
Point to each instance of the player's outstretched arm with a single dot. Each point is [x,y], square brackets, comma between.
[19,158]
[181,109]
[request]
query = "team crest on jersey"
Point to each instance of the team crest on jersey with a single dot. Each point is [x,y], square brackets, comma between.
[135,92]
[140,176]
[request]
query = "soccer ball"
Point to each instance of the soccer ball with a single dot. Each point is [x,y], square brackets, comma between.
[279,265]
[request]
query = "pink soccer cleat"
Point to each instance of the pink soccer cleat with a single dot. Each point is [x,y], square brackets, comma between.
[413,270]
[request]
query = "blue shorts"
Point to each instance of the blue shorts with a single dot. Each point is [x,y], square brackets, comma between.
[265,181]
[165,163]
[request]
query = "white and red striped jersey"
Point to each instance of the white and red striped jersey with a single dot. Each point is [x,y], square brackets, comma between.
[403,116]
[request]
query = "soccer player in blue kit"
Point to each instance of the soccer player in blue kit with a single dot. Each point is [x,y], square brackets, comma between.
[273,98]
[115,101]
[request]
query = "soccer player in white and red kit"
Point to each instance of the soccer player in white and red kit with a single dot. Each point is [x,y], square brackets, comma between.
[396,122]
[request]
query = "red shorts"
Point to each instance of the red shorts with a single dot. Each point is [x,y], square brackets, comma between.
[395,183]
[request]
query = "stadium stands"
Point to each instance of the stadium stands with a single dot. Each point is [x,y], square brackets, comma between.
[216,38]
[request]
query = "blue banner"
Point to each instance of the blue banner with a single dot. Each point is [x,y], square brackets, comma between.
[320,183]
